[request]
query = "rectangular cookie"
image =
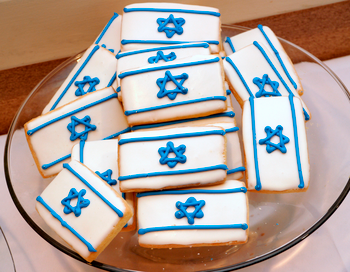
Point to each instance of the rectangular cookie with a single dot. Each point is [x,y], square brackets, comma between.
[253,72]
[171,158]
[205,216]
[185,88]
[95,70]
[148,25]
[95,116]
[83,210]
[275,145]
[102,158]
[265,36]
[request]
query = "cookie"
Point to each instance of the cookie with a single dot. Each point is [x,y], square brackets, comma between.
[102,158]
[171,158]
[148,25]
[95,116]
[275,145]
[83,210]
[185,88]
[205,216]
[95,70]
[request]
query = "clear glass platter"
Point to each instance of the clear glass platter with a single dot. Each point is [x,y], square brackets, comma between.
[277,221]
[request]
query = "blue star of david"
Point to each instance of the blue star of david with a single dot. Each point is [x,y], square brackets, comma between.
[261,84]
[160,55]
[81,202]
[83,134]
[107,177]
[161,82]
[81,84]
[104,46]
[190,202]
[270,146]
[170,31]
[178,151]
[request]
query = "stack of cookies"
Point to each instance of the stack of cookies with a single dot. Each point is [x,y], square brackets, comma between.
[145,119]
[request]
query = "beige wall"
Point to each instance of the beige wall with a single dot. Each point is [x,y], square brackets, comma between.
[33,31]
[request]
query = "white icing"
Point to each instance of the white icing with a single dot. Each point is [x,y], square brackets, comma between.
[244,39]
[111,38]
[142,25]
[251,63]
[52,142]
[278,171]
[205,80]
[143,157]
[219,209]
[101,65]
[101,156]
[96,221]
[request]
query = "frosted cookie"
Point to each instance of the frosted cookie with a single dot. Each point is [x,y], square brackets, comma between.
[275,145]
[83,210]
[95,70]
[265,37]
[139,58]
[153,24]
[102,158]
[185,88]
[110,36]
[171,158]
[253,72]
[94,116]
[205,216]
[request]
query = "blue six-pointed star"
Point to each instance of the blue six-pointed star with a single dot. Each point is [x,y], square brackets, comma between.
[265,80]
[161,82]
[160,56]
[86,80]
[178,151]
[81,202]
[107,177]
[170,31]
[270,146]
[76,122]
[190,202]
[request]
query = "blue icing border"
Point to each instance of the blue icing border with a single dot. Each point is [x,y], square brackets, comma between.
[194,191]
[204,12]
[106,27]
[235,170]
[123,42]
[228,40]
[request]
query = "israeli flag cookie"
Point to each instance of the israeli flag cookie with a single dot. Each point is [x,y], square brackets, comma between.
[253,72]
[172,158]
[110,36]
[83,210]
[95,70]
[95,116]
[265,37]
[185,88]
[275,145]
[102,158]
[204,216]
[167,53]
[153,24]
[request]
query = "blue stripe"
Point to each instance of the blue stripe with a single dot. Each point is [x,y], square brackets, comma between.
[256,163]
[306,115]
[65,224]
[117,134]
[235,170]
[112,80]
[278,56]
[204,12]
[146,70]
[234,129]
[178,172]
[123,42]
[124,54]
[196,227]
[75,76]
[194,191]
[174,136]
[118,89]
[223,98]
[106,27]
[48,165]
[228,40]
[32,131]
[69,168]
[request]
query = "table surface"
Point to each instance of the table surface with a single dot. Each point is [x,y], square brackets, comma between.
[325,250]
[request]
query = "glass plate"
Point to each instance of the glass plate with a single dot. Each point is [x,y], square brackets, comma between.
[277,221]
[6,259]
